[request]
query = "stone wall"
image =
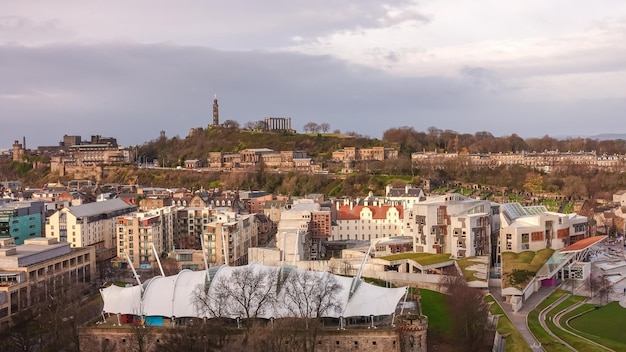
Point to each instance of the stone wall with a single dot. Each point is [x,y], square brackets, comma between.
[406,338]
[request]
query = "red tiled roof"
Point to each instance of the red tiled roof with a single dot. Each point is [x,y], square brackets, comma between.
[583,244]
[345,213]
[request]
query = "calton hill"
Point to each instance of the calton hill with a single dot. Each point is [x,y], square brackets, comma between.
[587,184]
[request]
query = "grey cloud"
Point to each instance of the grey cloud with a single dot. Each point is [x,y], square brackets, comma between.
[133,91]
[16,29]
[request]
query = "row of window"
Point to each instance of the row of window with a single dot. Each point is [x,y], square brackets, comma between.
[395,227]
[33,274]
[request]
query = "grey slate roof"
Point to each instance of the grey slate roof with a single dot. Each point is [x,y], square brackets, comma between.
[96,208]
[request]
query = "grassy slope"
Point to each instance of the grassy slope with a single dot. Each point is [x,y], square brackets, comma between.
[465,263]
[546,340]
[576,342]
[607,322]
[435,308]
[514,341]
[421,258]
[526,260]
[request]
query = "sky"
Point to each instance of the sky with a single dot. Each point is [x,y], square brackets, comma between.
[130,69]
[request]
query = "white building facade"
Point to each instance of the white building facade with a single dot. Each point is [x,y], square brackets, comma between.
[534,228]
[450,223]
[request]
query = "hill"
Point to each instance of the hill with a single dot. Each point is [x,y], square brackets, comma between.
[198,145]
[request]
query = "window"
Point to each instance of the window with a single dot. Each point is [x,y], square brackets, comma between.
[525,237]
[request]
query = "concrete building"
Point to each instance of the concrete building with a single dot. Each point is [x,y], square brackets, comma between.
[22,220]
[450,223]
[293,238]
[190,259]
[534,227]
[92,224]
[228,236]
[29,273]
[137,234]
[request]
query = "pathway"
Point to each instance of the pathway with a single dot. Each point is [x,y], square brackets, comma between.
[519,318]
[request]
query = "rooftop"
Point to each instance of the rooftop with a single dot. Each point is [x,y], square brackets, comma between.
[96,208]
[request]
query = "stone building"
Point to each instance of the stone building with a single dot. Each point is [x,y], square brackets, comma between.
[363,154]
[277,124]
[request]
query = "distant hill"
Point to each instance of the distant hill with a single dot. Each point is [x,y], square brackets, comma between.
[599,137]
[609,136]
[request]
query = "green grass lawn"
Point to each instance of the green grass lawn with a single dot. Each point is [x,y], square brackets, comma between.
[434,306]
[574,341]
[546,340]
[514,341]
[421,258]
[526,260]
[607,322]
[585,308]
[464,263]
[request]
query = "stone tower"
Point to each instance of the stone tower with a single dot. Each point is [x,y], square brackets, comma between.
[216,114]
[18,151]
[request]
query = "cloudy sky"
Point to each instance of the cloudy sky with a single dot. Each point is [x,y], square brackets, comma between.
[129,69]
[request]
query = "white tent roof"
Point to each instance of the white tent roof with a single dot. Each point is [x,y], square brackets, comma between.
[122,300]
[174,296]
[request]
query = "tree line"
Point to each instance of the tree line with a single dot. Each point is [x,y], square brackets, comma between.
[408,140]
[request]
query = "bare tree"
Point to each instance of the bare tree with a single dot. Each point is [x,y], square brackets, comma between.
[206,336]
[599,286]
[310,294]
[231,124]
[311,127]
[255,125]
[248,292]
[51,322]
[467,306]
[140,339]
[282,335]
[325,127]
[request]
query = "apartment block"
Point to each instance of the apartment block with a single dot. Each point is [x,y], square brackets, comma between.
[228,236]
[140,234]
[29,273]
[92,224]
[450,223]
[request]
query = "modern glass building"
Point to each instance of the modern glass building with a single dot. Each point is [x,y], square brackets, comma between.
[22,220]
